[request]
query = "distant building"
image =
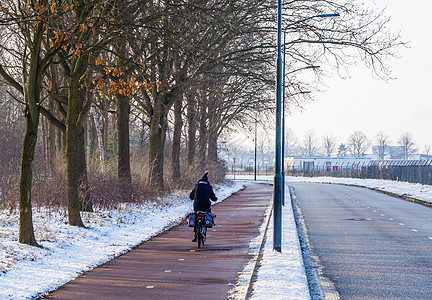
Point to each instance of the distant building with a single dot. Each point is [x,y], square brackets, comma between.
[396,152]
[309,165]
[393,152]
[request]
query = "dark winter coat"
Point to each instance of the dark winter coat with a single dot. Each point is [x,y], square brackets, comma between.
[202,193]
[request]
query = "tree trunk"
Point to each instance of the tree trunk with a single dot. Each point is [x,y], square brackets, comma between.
[26,231]
[124,168]
[105,129]
[32,98]
[158,126]
[191,115]
[51,151]
[143,135]
[60,141]
[212,147]
[202,141]
[100,140]
[213,128]
[84,190]
[72,152]
[175,154]
[123,110]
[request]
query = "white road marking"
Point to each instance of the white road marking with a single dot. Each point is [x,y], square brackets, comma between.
[167,271]
[181,258]
[149,286]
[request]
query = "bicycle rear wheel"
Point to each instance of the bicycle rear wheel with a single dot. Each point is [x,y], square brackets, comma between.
[199,235]
[204,235]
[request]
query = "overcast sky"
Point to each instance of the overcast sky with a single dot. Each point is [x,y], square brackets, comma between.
[370,105]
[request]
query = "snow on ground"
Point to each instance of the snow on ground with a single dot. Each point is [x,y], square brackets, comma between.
[27,272]
[282,274]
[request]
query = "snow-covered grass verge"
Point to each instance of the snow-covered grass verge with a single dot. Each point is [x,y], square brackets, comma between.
[280,275]
[27,272]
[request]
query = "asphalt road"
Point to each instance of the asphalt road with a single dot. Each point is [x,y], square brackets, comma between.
[370,245]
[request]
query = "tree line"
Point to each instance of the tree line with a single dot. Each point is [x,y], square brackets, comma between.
[165,78]
[358,144]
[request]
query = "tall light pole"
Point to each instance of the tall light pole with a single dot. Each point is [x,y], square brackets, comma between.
[277,192]
[277,185]
[255,173]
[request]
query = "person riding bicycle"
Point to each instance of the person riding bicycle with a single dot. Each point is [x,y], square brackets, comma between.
[201,194]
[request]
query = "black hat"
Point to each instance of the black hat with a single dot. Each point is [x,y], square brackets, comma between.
[205,177]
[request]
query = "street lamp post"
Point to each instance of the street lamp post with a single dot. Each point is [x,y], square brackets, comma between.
[277,185]
[255,174]
[277,203]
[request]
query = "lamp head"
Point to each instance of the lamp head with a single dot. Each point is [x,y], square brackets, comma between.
[329,15]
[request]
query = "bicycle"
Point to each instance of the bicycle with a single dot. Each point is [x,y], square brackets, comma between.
[200,229]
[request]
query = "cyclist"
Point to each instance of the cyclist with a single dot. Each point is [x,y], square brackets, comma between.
[201,194]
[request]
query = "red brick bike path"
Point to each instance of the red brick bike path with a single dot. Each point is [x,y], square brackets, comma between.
[170,266]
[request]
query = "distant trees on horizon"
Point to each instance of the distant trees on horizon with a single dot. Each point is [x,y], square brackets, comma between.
[357,144]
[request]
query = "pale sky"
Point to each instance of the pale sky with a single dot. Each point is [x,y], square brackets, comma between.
[371,105]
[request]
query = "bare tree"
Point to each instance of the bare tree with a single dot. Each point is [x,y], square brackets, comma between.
[358,143]
[329,144]
[342,151]
[27,25]
[383,141]
[406,140]
[310,143]
[427,149]
[291,142]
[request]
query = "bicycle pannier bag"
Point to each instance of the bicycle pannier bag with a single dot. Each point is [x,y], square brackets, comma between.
[209,220]
[191,220]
